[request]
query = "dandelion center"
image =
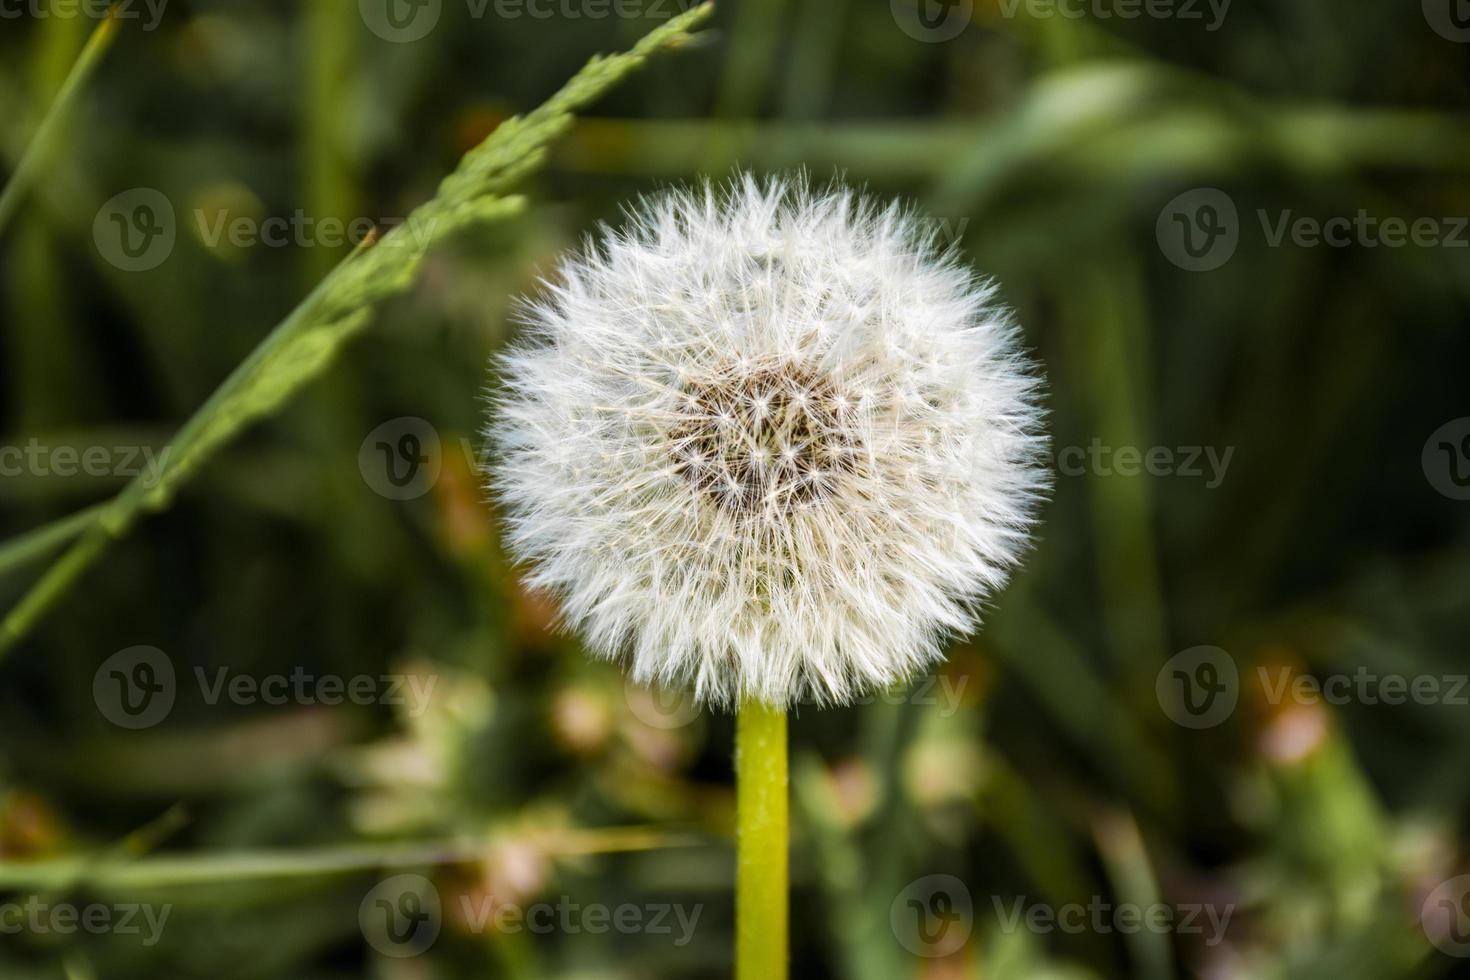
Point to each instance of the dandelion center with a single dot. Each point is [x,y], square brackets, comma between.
[764,441]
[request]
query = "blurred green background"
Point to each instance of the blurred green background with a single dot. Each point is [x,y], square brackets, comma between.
[1138,185]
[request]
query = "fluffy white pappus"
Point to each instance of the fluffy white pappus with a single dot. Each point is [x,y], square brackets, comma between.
[769,441]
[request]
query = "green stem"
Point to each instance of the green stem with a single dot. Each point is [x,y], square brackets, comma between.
[121,870]
[32,545]
[34,158]
[762,842]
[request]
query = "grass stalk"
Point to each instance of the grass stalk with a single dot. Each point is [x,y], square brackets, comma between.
[35,156]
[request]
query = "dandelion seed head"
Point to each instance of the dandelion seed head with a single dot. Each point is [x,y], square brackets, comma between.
[768,441]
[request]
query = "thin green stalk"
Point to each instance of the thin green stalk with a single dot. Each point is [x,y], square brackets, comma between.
[750,66]
[139,841]
[173,871]
[761,878]
[330,177]
[35,155]
[43,540]
[48,375]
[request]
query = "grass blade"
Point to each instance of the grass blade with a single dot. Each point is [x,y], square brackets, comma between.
[35,155]
[35,543]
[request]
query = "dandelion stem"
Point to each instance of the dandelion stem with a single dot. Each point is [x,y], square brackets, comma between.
[761,838]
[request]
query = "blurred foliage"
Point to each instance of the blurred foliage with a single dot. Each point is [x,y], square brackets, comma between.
[1038,765]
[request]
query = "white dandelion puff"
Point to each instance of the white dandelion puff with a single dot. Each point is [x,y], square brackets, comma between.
[770,442]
